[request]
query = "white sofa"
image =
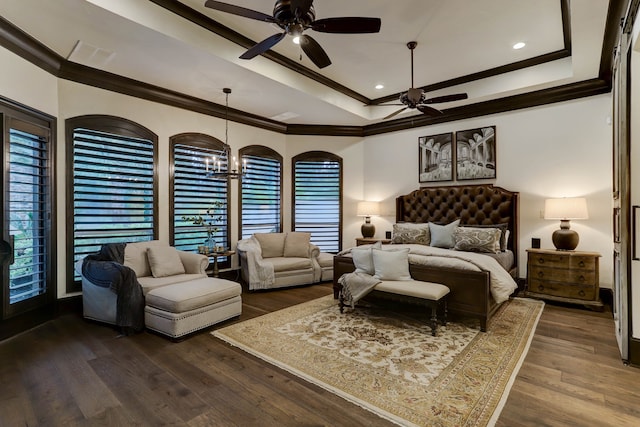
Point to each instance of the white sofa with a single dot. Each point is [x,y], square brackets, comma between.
[179,296]
[277,260]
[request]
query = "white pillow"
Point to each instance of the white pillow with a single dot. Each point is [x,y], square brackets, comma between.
[363,259]
[164,261]
[391,265]
[442,235]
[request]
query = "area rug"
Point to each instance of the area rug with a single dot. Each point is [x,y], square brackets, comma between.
[390,364]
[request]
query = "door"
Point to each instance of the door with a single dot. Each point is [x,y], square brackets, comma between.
[26,245]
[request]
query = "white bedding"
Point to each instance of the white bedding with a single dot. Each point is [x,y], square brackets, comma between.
[502,284]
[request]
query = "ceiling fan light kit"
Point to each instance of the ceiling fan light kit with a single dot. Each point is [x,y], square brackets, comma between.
[294,17]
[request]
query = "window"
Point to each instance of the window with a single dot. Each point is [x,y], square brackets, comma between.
[261,192]
[317,198]
[193,192]
[112,190]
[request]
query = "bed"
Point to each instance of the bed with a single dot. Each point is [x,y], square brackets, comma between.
[473,205]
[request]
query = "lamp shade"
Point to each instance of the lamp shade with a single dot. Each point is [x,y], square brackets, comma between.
[566,208]
[368,209]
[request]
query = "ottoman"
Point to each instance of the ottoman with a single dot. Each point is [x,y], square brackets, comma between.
[179,309]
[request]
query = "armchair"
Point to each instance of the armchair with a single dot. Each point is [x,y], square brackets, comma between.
[276,260]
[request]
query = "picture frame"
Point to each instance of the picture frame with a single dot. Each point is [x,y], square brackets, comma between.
[436,157]
[476,153]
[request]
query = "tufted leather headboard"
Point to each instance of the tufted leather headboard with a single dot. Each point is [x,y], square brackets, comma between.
[473,204]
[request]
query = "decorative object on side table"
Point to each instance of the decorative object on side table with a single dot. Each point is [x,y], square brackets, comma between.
[208,220]
[565,209]
[367,210]
[564,276]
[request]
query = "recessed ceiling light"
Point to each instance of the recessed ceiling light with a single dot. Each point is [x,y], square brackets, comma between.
[519,45]
[379,86]
[296,39]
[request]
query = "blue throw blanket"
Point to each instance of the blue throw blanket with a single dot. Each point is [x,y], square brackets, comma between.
[106,269]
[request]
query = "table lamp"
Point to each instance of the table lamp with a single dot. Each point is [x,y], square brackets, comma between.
[565,209]
[367,210]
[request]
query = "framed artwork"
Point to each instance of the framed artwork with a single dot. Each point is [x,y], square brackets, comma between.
[476,153]
[436,158]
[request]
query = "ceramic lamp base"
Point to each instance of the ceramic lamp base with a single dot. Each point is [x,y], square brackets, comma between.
[565,239]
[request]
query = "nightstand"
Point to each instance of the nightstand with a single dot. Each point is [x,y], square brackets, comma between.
[370,241]
[565,276]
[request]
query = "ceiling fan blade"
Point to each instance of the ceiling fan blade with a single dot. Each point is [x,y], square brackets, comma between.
[429,110]
[240,11]
[263,46]
[314,51]
[446,98]
[347,25]
[395,113]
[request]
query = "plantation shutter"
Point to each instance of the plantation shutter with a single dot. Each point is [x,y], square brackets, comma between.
[113,190]
[261,196]
[317,200]
[194,192]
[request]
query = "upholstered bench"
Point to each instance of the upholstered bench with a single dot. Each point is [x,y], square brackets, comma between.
[179,309]
[415,291]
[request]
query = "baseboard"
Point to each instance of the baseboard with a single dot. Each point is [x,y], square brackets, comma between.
[69,305]
[634,352]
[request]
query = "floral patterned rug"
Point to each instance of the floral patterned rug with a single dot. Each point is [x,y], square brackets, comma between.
[390,364]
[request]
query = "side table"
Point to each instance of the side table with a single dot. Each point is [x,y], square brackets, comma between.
[215,256]
[371,240]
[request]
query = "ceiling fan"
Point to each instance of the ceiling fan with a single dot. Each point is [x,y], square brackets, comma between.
[295,16]
[416,98]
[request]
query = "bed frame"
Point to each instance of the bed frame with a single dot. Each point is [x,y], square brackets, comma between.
[473,204]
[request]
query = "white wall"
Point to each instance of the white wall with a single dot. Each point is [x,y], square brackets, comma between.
[557,150]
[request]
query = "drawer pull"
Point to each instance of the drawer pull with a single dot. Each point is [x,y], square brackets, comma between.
[541,274]
[540,288]
[581,278]
[581,293]
[581,264]
[540,260]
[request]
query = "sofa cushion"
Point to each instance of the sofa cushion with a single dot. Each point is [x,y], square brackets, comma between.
[186,296]
[296,244]
[164,261]
[149,283]
[290,263]
[271,244]
[135,256]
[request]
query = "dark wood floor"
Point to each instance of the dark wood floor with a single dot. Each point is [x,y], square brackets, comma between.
[74,372]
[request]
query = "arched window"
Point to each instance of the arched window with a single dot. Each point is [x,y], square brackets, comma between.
[260,198]
[112,190]
[194,192]
[317,198]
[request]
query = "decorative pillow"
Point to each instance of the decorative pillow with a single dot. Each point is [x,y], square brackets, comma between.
[408,232]
[296,244]
[391,265]
[363,259]
[272,244]
[164,261]
[471,239]
[504,232]
[442,235]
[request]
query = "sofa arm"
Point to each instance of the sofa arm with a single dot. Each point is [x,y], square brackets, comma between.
[194,263]
[314,251]
[256,272]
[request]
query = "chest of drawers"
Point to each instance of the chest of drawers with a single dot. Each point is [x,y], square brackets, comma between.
[566,276]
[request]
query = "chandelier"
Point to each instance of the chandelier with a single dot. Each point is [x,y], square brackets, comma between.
[225,166]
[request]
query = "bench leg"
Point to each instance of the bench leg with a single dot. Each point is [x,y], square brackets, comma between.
[341,303]
[434,319]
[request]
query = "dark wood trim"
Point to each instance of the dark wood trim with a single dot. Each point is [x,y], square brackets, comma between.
[69,305]
[634,351]
[615,20]
[24,45]
[211,25]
